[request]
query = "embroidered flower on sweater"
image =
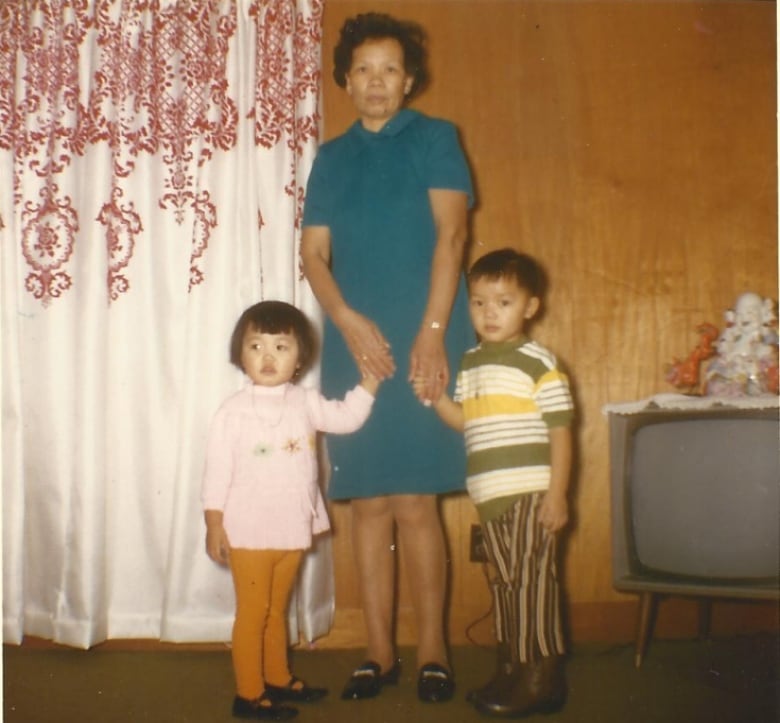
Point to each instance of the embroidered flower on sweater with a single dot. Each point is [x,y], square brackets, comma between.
[292,446]
[262,449]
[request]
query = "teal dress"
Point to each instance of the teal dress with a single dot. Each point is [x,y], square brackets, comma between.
[371,191]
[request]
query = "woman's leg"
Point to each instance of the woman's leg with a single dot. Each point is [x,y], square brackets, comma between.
[275,661]
[252,574]
[372,539]
[420,530]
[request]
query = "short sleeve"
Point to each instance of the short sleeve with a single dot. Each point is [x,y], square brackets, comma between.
[317,204]
[447,167]
[554,398]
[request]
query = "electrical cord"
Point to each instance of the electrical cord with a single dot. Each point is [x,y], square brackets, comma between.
[476,622]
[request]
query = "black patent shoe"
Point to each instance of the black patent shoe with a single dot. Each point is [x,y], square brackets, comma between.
[296,691]
[262,708]
[435,684]
[367,680]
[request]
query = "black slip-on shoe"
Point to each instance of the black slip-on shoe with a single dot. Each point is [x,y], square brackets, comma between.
[435,684]
[367,680]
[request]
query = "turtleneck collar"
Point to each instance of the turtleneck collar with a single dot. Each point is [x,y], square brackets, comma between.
[258,390]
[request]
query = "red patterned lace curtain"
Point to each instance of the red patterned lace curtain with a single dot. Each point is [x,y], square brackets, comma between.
[153,156]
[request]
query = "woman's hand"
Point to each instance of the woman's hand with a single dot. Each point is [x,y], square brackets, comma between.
[429,370]
[428,358]
[366,343]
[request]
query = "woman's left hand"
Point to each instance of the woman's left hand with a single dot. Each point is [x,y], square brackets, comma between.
[428,363]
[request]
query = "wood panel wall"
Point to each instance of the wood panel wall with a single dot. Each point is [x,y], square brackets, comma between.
[630,146]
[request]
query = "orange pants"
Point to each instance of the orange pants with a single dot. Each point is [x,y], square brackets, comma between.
[263,580]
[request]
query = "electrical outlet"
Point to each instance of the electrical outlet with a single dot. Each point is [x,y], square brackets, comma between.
[477,545]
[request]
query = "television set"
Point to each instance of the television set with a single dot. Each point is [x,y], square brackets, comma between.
[695,498]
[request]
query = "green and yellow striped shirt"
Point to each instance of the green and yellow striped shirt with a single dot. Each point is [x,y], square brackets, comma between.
[512,393]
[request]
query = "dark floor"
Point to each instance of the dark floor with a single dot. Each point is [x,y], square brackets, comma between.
[731,680]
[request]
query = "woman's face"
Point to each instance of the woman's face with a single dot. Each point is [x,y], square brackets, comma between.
[377,81]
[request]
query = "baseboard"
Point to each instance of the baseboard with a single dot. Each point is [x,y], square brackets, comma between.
[596,622]
[586,622]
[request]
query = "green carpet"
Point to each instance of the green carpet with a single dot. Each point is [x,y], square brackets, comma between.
[731,680]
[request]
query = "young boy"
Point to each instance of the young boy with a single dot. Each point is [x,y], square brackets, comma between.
[515,409]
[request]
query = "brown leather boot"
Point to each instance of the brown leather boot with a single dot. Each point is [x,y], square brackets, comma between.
[548,684]
[504,670]
[537,687]
[509,696]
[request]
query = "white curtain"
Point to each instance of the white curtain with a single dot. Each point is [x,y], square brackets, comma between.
[153,157]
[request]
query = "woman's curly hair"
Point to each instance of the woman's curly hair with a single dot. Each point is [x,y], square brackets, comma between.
[378,26]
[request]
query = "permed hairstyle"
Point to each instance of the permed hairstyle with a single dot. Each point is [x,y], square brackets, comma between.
[378,26]
[508,263]
[276,317]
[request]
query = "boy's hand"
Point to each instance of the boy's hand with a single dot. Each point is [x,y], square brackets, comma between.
[554,512]
[420,388]
[450,412]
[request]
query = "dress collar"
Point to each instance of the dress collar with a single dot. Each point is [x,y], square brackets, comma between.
[392,128]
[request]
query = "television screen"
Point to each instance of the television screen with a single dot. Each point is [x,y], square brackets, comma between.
[696,500]
[704,497]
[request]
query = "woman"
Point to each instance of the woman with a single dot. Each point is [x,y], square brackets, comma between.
[385,226]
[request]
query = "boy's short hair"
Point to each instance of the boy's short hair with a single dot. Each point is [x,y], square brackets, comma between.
[276,317]
[508,263]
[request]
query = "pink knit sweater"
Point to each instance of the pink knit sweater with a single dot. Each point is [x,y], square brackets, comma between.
[261,462]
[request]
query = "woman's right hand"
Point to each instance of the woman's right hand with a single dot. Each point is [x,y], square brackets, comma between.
[366,343]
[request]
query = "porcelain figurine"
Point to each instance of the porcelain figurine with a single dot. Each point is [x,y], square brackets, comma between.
[746,360]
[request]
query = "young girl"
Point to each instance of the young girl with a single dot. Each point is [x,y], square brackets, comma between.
[261,498]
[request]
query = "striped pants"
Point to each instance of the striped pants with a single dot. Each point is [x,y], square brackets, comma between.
[526,595]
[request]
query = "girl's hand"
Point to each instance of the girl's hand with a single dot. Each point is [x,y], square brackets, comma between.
[370,383]
[368,346]
[554,512]
[429,370]
[217,545]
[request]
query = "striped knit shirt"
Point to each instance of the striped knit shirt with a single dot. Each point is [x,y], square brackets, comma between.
[512,394]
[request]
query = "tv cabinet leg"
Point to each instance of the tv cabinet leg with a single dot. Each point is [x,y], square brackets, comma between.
[647,605]
[705,618]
